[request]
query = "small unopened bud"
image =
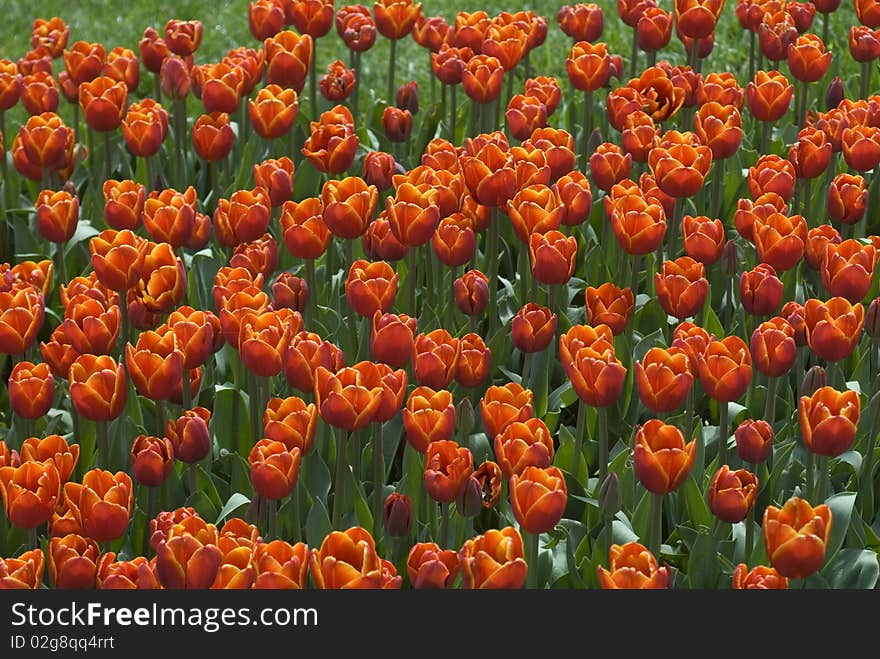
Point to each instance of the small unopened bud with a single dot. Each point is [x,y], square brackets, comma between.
[466,417]
[470,502]
[408,97]
[729,259]
[835,93]
[70,188]
[814,379]
[872,319]
[397,515]
[609,496]
[595,140]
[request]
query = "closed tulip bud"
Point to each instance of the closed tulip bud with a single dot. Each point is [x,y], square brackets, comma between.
[474,360]
[872,319]
[101,504]
[609,496]
[73,562]
[397,515]
[31,389]
[609,305]
[151,460]
[153,49]
[829,420]
[835,93]
[274,469]
[346,560]
[189,435]
[494,560]
[833,327]
[212,136]
[663,379]
[397,124]
[552,256]
[471,292]
[796,536]
[57,215]
[534,327]
[814,379]
[731,494]
[754,440]
[632,566]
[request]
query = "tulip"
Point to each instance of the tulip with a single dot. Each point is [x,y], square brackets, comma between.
[847,198]
[773,348]
[212,136]
[73,562]
[151,460]
[435,358]
[103,103]
[53,448]
[90,327]
[57,215]
[663,379]
[280,565]
[552,256]
[796,536]
[595,372]
[183,37]
[97,387]
[44,142]
[397,515]
[725,369]
[305,353]
[632,566]
[447,467]
[609,165]
[263,339]
[343,401]
[829,420]
[370,287]
[25,572]
[274,469]
[538,497]
[575,196]
[754,440]
[732,494]
[760,290]
[502,405]
[474,359]
[184,562]
[243,217]
[681,286]
[769,95]
[84,61]
[833,327]
[534,327]
[662,459]
[30,492]
[273,111]
[847,269]
[494,560]
[429,416]
[136,574]
[346,560]
[101,504]
[189,435]
[155,365]
[39,93]
[428,566]
[638,224]
[482,78]
[588,66]
[489,174]
[349,205]
[861,147]
[288,58]
[759,577]
[331,147]
[31,389]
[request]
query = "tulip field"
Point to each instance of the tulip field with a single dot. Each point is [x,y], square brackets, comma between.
[419,295]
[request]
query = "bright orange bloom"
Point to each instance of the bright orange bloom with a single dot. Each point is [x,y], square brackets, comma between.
[183,37]
[609,165]
[243,217]
[523,444]
[151,460]
[155,365]
[502,405]
[123,66]
[429,416]
[454,241]
[169,215]
[680,169]
[759,577]
[304,354]
[833,327]
[30,492]
[185,562]
[780,240]
[861,147]
[704,238]
[488,170]
[847,269]
[538,497]
[273,111]
[189,435]
[288,59]
[552,256]
[428,566]
[312,17]
[103,103]
[796,537]
[663,379]
[482,78]
[305,233]
[534,327]
[97,387]
[769,95]
[26,571]
[474,361]
[57,215]
[395,19]
[43,142]
[331,147]
[760,290]
[212,136]
[494,560]
[117,258]
[52,448]
[609,305]
[144,127]
[22,313]
[370,287]
[732,494]
[346,560]
[291,422]
[101,504]
[588,65]
[39,93]
[263,338]
[807,58]
[84,61]
[662,459]
[73,562]
[773,348]
[719,127]
[697,18]
[829,420]
[632,566]
[274,469]
[265,18]
[725,369]
[343,399]
[447,467]
[682,287]
[639,224]
[435,358]
[280,565]
[847,198]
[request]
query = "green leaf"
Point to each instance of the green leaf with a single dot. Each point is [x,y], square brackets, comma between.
[317,524]
[841,505]
[702,566]
[317,476]
[696,503]
[236,501]
[230,420]
[853,568]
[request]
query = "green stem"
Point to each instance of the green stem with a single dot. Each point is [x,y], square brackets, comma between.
[750,534]
[341,466]
[602,432]
[356,92]
[634,56]
[313,80]
[186,389]
[392,63]
[103,444]
[585,138]
[62,265]
[148,166]
[444,524]
[297,510]
[717,188]
[525,273]
[411,280]
[810,475]
[765,138]
[770,406]
[179,111]
[531,542]
[751,54]
[33,542]
[192,477]
[866,482]
[492,249]
[378,479]
[656,542]
[722,434]
[160,417]
[526,370]
[108,167]
[271,517]
[453,119]
[823,478]
[579,433]
[677,213]
[864,80]
[150,513]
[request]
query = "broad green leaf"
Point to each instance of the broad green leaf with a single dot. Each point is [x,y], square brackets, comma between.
[853,568]
[236,501]
[841,505]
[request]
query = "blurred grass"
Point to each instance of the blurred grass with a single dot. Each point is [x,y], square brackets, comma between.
[121,23]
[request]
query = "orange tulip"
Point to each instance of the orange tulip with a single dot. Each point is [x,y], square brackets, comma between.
[609,305]
[534,327]
[280,565]
[306,235]
[759,577]
[73,562]
[780,240]
[343,400]
[428,566]
[151,460]
[24,572]
[57,215]
[732,494]
[588,66]
[189,435]
[304,354]
[760,290]
[848,269]
[155,365]
[349,205]
[754,440]
[595,372]
[833,327]
[435,358]
[447,467]
[212,136]
[97,387]
[680,169]
[474,360]
[183,37]
[811,154]
[523,444]
[769,95]
[44,142]
[681,286]
[494,560]
[538,497]
[176,77]
[274,469]
[429,416]
[136,574]
[796,536]
[288,59]
[101,504]
[502,405]
[632,566]
[847,198]
[662,459]
[829,420]
[552,256]
[639,224]
[291,422]
[719,127]
[725,369]
[573,191]
[489,174]
[704,238]
[84,61]
[91,327]
[346,560]
[263,339]
[370,287]
[53,448]
[103,103]
[243,217]
[861,147]
[773,348]
[30,492]
[22,313]
[39,93]
[663,379]
[185,562]
[31,389]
